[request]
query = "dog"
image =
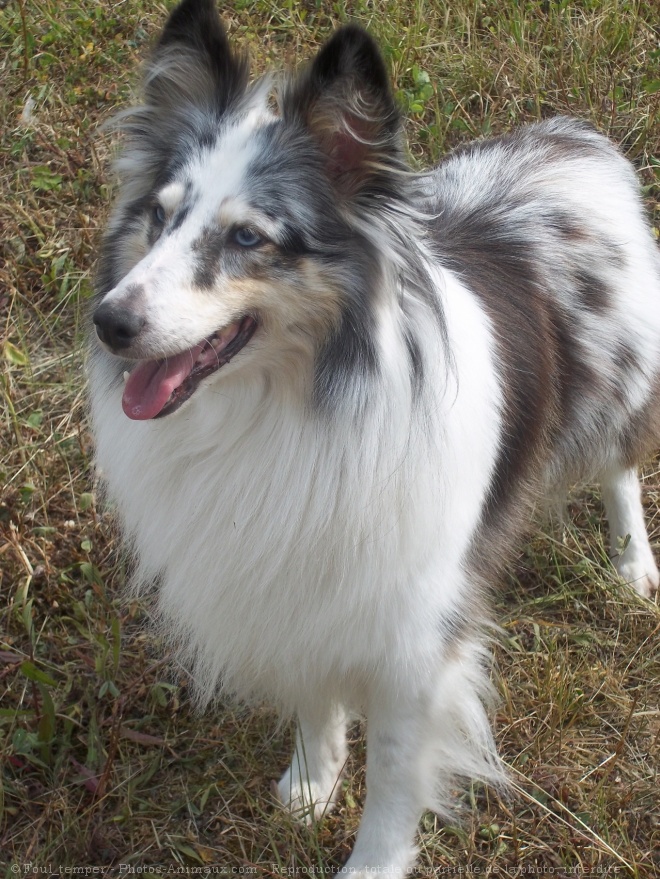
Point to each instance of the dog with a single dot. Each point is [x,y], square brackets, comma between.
[346,387]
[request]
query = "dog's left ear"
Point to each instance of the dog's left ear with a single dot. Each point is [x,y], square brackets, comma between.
[344,100]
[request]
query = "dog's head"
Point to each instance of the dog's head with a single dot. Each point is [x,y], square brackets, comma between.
[243,228]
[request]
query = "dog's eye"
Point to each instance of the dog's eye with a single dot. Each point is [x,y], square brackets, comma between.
[246,237]
[158,215]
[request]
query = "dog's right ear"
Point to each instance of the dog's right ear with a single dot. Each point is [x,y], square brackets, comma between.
[192,63]
[345,102]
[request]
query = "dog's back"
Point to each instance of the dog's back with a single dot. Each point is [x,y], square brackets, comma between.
[546,226]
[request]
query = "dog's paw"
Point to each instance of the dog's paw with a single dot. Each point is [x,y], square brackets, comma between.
[359,866]
[366,872]
[371,872]
[307,800]
[639,571]
[397,862]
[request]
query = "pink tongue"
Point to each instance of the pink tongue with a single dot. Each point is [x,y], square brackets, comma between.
[150,384]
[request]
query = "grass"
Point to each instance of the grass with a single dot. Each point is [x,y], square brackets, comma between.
[103,761]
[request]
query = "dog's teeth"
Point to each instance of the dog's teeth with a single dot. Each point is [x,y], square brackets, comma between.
[126,375]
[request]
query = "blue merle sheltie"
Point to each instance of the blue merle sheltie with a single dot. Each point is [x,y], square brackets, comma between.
[327,393]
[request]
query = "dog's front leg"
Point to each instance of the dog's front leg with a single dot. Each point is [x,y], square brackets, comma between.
[399,785]
[311,783]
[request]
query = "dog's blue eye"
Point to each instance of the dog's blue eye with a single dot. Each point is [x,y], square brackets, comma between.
[158,214]
[246,237]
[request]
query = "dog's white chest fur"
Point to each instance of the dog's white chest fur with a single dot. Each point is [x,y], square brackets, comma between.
[286,544]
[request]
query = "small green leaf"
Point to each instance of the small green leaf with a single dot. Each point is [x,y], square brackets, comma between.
[651,86]
[27,490]
[540,796]
[46,729]
[158,695]
[108,687]
[86,501]
[13,713]
[14,355]
[44,530]
[91,573]
[489,831]
[35,419]
[44,180]
[23,741]
[421,77]
[204,798]
[26,614]
[32,673]
[186,850]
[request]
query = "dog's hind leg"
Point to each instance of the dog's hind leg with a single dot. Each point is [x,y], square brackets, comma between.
[310,785]
[630,549]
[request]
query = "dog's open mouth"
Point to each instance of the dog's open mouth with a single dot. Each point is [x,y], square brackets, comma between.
[158,387]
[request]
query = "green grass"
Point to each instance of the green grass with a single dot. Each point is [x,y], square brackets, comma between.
[103,761]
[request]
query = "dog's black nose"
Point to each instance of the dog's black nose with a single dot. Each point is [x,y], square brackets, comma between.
[117,325]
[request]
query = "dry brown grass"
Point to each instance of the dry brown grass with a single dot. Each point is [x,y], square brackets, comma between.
[102,760]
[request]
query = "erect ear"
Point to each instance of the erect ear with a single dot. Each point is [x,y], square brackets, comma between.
[192,61]
[345,101]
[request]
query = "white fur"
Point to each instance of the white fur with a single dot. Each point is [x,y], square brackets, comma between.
[255,473]
[345,549]
[316,561]
[631,553]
